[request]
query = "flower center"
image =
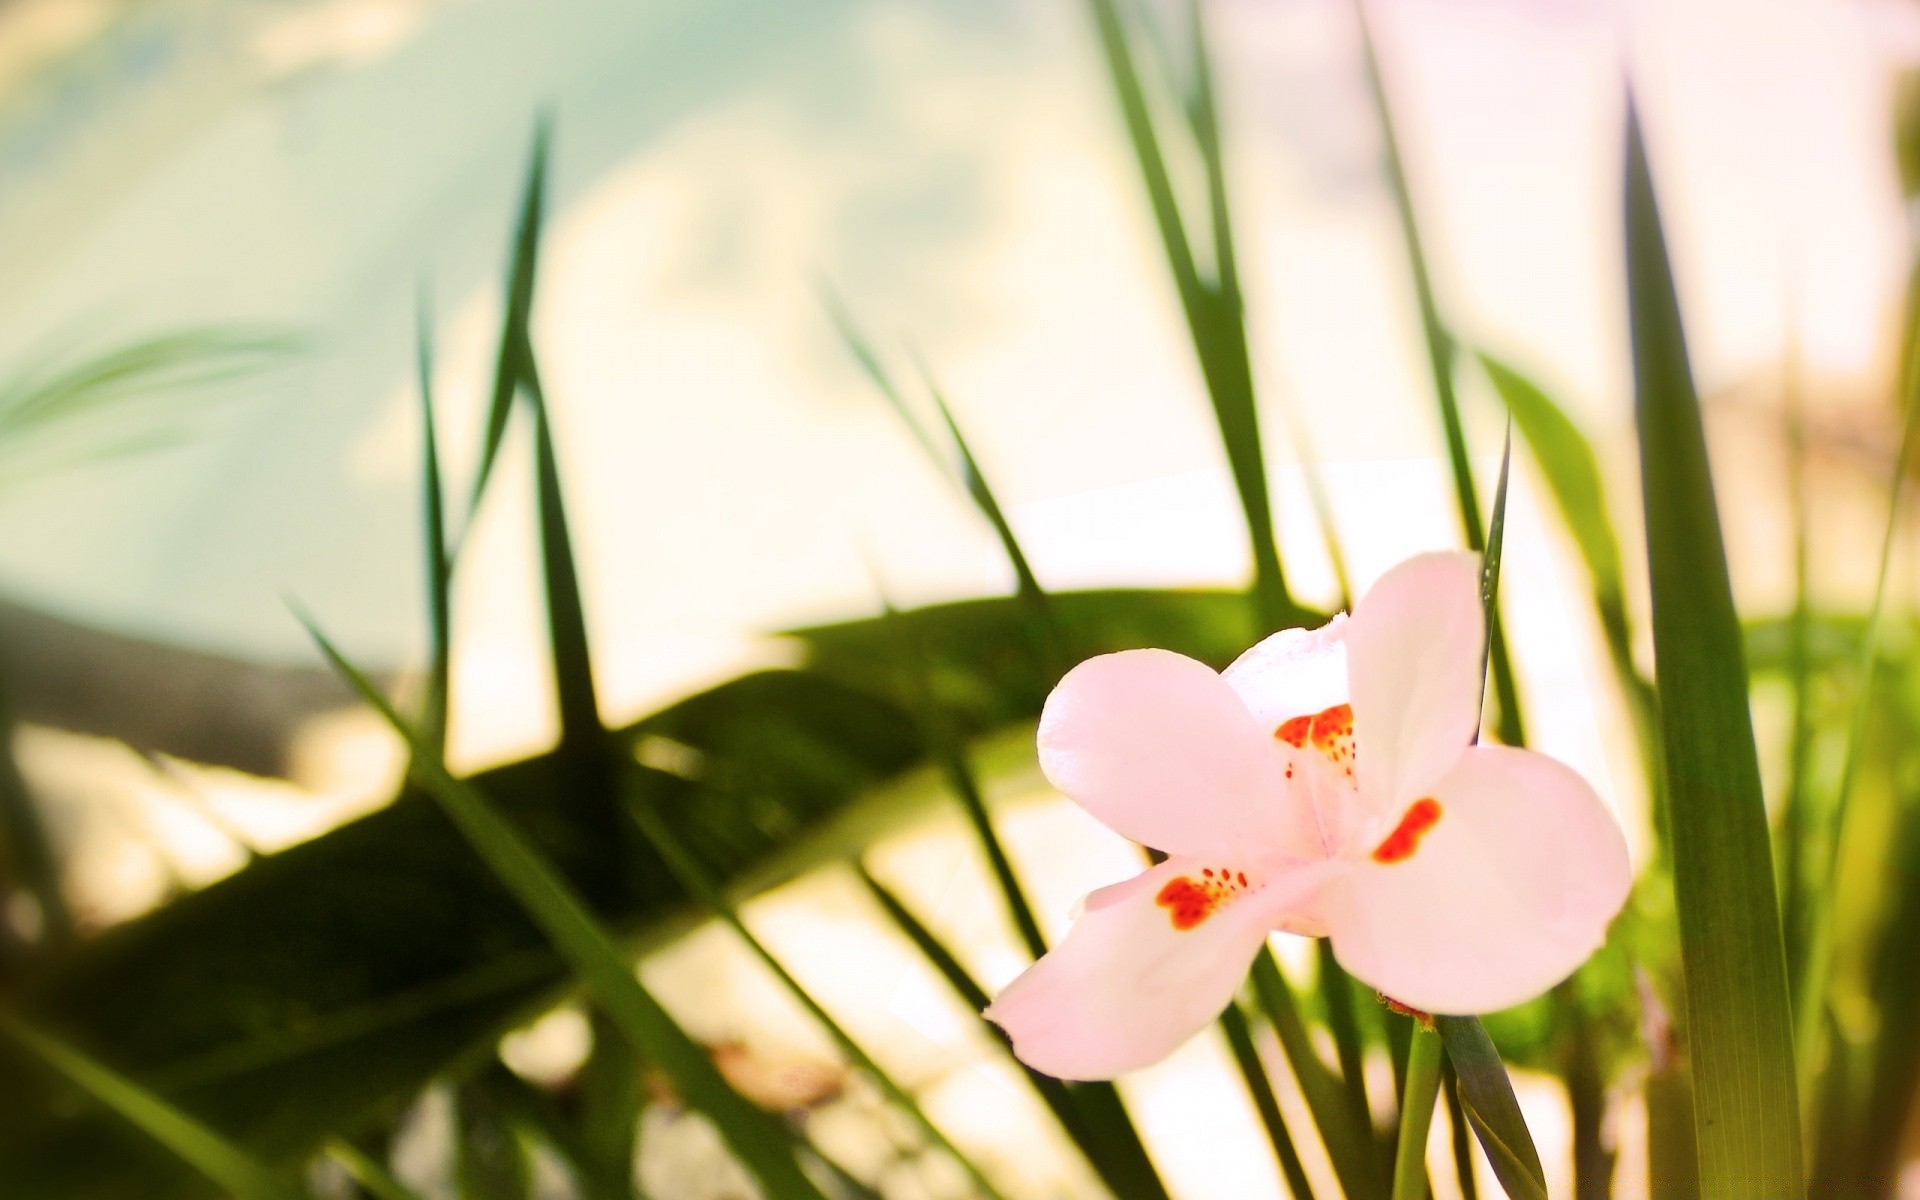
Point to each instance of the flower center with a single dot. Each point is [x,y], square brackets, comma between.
[1190,901]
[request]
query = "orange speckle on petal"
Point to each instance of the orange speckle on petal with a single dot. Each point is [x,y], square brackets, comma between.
[1422,815]
[1189,901]
[1294,731]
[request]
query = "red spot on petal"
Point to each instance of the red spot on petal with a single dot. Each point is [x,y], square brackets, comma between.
[1241,877]
[1422,815]
[1294,731]
[1188,903]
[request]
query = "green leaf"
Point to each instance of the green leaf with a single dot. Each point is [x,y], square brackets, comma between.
[194,1142]
[1462,1136]
[760,1143]
[408,958]
[1486,1094]
[1747,1114]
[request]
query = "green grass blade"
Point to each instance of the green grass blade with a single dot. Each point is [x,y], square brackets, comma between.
[944,747]
[1214,320]
[1812,998]
[1233,1023]
[1572,473]
[573,682]
[761,1144]
[194,1142]
[1747,1113]
[1490,567]
[1486,1096]
[489,1159]
[1796,817]
[1462,1136]
[1422,1087]
[700,884]
[381,1183]
[433,722]
[611,1099]
[1092,1114]
[1349,1145]
[1439,342]
[520,277]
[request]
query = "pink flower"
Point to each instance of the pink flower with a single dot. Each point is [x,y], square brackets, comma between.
[1326,784]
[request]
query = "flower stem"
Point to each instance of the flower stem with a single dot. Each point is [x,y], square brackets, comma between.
[1416,1115]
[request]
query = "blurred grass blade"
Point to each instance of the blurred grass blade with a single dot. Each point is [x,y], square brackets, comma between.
[944,747]
[1822,933]
[1092,1114]
[1239,1035]
[195,1143]
[1747,1114]
[1349,1145]
[489,1159]
[513,326]
[1486,1094]
[610,1102]
[1796,816]
[1440,360]
[1439,342]
[1490,563]
[760,1142]
[1214,319]
[370,1175]
[1462,1136]
[969,477]
[1572,474]
[433,723]
[701,885]
[574,689]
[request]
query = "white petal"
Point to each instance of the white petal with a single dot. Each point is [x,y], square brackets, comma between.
[1413,658]
[1293,673]
[1509,886]
[1162,751]
[1149,963]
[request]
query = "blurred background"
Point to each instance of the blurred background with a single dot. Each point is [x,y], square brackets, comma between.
[232,230]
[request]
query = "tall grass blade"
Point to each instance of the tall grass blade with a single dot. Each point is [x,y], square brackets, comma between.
[611,1100]
[580,728]
[1796,817]
[700,884]
[1246,1056]
[489,1160]
[1822,932]
[1486,1096]
[762,1145]
[381,1183]
[1421,1088]
[433,722]
[968,476]
[1349,1144]
[1092,1114]
[520,277]
[944,747]
[195,1143]
[1462,1137]
[1747,1114]
[1440,360]
[1214,320]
